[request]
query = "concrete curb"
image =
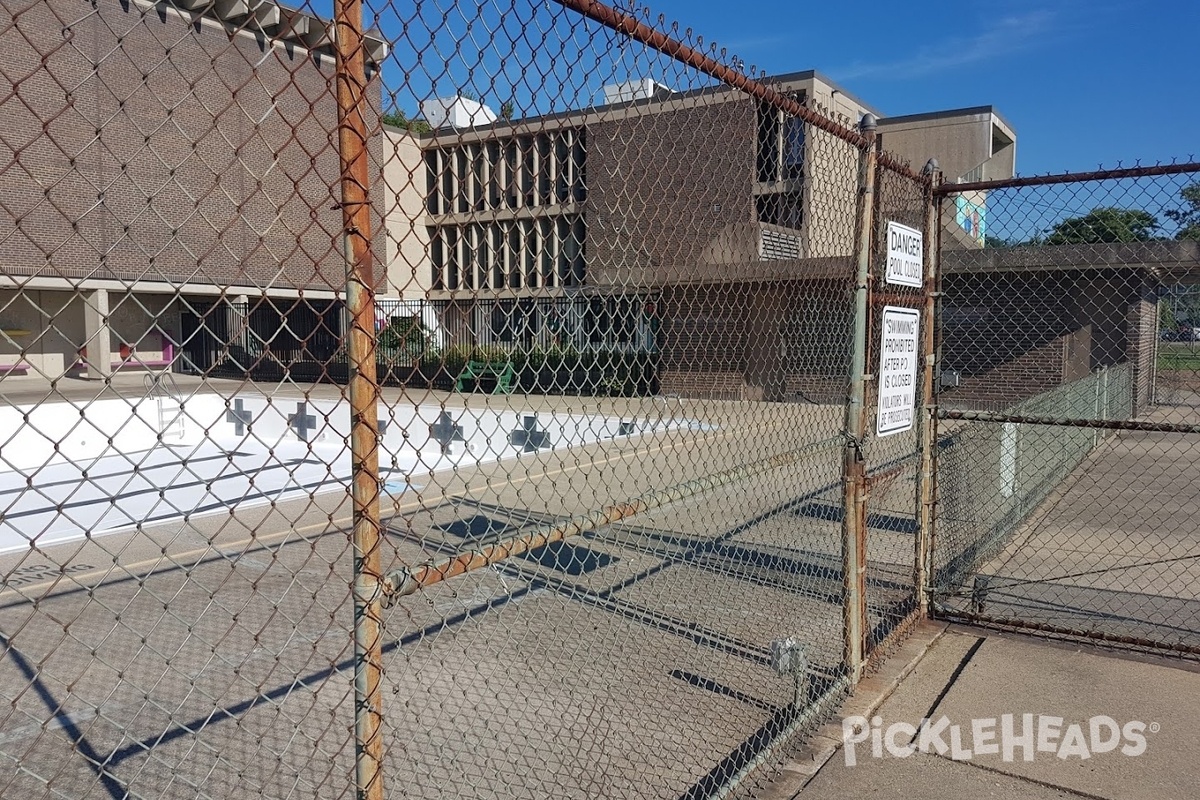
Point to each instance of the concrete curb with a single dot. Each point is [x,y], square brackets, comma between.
[868,696]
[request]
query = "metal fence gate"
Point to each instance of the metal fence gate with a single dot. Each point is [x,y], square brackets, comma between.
[1068,413]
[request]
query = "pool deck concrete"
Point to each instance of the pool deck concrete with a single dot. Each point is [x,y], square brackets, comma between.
[210,656]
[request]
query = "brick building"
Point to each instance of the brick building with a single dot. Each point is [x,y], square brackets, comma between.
[1019,321]
[162,163]
[700,225]
[168,200]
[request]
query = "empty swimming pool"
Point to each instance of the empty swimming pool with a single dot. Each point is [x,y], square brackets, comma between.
[72,470]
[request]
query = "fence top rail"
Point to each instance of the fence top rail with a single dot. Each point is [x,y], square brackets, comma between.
[629,25]
[1070,177]
[1069,422]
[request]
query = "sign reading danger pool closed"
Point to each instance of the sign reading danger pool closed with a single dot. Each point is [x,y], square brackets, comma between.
[898,370]
[905,254]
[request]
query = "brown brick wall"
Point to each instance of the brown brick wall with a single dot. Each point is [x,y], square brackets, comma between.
[143,145]
[1005,335]
[1013,335]
[688,212]
[772,341]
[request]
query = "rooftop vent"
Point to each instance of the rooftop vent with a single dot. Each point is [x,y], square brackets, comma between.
[627,92]
[456,112]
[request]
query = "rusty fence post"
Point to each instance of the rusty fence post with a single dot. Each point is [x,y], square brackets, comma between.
[927,490]
[352,105]
[854,522]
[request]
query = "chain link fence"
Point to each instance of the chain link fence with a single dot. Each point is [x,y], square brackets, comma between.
[438,400]
[1068,417]
[527,399]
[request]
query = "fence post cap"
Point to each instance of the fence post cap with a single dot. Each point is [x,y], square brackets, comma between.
[868,122]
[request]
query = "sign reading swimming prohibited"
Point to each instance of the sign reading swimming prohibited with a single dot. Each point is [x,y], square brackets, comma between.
[897,370]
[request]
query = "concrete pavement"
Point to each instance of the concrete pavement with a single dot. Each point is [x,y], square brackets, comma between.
[209,656]
[971,676]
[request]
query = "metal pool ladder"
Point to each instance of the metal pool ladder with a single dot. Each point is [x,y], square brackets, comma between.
[169,399]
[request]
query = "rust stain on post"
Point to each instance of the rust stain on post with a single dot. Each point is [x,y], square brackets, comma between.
[352,106]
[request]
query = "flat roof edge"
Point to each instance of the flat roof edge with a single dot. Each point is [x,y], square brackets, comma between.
[949,113]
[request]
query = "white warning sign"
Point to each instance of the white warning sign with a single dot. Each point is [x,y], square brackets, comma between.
[905,255]
[898,370]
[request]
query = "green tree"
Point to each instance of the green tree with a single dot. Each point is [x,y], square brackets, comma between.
[1105,225]
[403,339]
[398,119]
[1188,217]
[507,110]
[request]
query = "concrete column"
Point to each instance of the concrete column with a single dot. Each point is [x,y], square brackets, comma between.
[97,335]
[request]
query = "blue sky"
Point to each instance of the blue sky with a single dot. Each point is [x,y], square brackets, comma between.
[1083,83]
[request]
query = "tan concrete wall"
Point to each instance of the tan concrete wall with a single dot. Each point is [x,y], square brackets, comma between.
[1142,324]
[834,103]
[404,189]
[831,183]
[55,323]
[958,143]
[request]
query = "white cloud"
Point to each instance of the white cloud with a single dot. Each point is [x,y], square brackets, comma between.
[1004,37]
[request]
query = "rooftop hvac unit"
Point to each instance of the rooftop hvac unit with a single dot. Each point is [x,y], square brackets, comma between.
[629,91]
[456,112]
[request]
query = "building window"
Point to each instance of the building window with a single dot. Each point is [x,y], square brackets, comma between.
[768,143]
[445,168]
[514,255]
[784,209]
[793,149]
[433,198]
[498,240]
[437,255]
[577,242]
[550,243]
[502,322]
[522,171]
[579,164]
[452,259]
[780,144]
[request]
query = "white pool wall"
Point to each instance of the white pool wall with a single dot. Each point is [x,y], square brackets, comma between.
[32,437]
